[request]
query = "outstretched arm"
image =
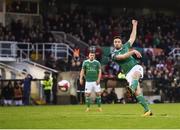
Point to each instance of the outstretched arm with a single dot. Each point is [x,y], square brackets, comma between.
[134,31]
[127,55]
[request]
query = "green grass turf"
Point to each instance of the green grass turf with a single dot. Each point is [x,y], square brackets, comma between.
[74,116]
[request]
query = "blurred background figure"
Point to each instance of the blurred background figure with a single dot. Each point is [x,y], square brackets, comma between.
[47,84]
[104,96]
[76,58]
[54,88]
[80,92]
[112,96]
[7,94]
[18,93]
[27,88]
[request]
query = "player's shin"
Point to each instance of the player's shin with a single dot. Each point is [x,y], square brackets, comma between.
[143,102]
[98,100]
[88,101]
[134,85]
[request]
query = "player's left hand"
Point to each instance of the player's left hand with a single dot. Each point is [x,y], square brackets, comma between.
[134,22]
[137,53]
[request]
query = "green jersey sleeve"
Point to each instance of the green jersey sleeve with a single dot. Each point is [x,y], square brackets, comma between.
[99,65]
[127,45]
[83,65]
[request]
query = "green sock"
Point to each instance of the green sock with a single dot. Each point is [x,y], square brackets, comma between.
[98,100]
[88,101]
[143,102]
[134,85]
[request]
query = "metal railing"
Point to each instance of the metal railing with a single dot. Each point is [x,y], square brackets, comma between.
[71,40]
[58,50]
[2,65]
[175,52]
[40,66]
[14,50]
[22,50]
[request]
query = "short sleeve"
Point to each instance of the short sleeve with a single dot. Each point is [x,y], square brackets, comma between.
[99,65]
[83,65]
[127,45]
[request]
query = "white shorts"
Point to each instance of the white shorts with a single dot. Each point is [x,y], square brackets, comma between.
[18,102]
[7,102]
[129,76]
[90,86]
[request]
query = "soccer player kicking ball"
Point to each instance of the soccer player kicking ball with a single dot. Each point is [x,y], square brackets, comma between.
[123,57]
[91,70]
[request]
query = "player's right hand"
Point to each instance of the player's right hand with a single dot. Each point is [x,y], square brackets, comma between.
[137,53]
[98,82]
[81,81]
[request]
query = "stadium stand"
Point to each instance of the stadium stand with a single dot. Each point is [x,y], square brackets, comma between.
[158,40]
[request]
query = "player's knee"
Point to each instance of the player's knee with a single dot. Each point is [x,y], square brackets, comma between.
[88,94]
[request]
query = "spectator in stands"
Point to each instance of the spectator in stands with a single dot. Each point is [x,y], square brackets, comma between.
[175,86]
[54,87]
[104,96]
[76,58]
[98,53]
[112,69]
[27,87]
[47,84]
[19,6]
[81,91]
[51,61]
[60,64]
[129,97]
[18,94]
[112,96]
[7,94]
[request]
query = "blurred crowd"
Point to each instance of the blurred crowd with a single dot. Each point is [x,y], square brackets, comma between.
[13,94]
[21,6]
[16,92]
[19,31]
[155,30]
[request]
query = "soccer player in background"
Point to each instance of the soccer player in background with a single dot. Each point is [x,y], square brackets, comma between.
[124,58]
[91,71]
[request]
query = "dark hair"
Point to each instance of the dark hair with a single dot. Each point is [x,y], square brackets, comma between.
[116,37]
[92,52]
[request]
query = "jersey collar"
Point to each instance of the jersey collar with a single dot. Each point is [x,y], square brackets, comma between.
[90,60]
[118,49]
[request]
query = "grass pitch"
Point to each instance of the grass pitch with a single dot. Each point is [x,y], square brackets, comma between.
[113,116]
